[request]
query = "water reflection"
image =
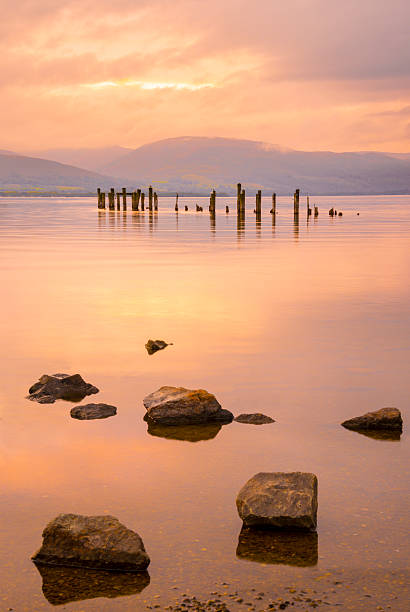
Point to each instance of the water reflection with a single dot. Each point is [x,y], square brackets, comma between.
[278,547]
[187,433]
[393,435]
[62,585]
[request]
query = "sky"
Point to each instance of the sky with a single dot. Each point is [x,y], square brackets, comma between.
[304,74]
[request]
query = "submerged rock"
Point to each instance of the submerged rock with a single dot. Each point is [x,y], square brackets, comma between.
[187,433]
[96,542]
[385,418]
[256,418]
[278,547]
[93,411]
[153,346]
[180,406]
[279,500]
[60,386]
[61,585]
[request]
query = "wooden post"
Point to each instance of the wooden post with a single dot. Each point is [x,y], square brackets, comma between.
[150,198]
[316,211]
[212,202]
[124,198]
[273,211]
[111,199]
[226,209]
[118,201]
[242,202]
[137,199]
[259,202]
[103,199]
[176,202]
[186,207]
[296,202]
[239,198]
[142,200]
[98,197]
[155,201]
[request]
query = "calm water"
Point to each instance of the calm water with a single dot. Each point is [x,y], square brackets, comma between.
[307,323]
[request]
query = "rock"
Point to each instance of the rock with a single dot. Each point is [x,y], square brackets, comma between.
[153,346]
[96,542]
[180,406]
[385,418]
[93,411]
[186,433]
[256,418]
[279,500]
[286,547]
[60,386]
[62,585]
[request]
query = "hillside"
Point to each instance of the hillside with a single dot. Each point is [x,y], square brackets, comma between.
[199,164]
[87,158]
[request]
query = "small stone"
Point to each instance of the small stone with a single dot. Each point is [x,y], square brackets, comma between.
[93,411]
[96,542]
[60,386]
[153,346]
[279,500]
[385,418]
[256,418]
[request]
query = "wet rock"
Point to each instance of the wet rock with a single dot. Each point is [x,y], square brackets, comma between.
[61,585]
[390,435]
[93,411]
[279,500]
[187,433]
[299,548]
[153,346]
[256,418]
[60,386]
[96,542]
[385,418]
[180,406]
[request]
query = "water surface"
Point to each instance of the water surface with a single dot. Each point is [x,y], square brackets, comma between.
[307,322]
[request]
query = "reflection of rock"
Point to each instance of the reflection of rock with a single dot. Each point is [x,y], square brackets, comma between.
[97,542]
[93,411]
[153,346]
[393,435]
[64,584]
[385,418]
[189,433]
[273,546]
[279,500]
[60,386]
[179,406]
[256,418]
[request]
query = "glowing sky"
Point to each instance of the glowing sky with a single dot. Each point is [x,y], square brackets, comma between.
[307,74]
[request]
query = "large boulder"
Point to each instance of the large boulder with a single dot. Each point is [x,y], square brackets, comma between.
[60,386]
[62,585]
[180,406]
[279,500]
[96,542]
[93,411]
[288,547]
[385,418]
[257,418]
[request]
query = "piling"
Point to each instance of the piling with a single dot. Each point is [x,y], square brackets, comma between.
[258,208]
[118,201]
[142,200]
[296,198]
[102,196]
[316,211]
[124,198]
[226,209]
[186,207]
[150,197]
[111,199]
[212,202]
[238,198]
[155,201]
[99,197]
[273,211]
[242,202]
[176,202]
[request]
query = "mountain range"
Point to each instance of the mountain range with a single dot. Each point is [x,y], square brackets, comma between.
[197,165]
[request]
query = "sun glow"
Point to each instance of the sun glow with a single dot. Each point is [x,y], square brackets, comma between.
[150,85]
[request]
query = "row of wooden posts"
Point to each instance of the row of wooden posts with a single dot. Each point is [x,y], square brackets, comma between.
[138,199]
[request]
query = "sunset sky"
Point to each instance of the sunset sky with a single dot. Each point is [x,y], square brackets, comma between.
[305,74]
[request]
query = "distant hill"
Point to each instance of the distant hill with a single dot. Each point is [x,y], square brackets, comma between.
[89,159]
[19,173]
[200,164]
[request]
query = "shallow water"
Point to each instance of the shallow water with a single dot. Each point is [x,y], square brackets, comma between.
[308,323]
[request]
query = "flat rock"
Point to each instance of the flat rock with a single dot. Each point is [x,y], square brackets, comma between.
[287,547]
[95,542]
[153,346]
[180,406]
[93,411]
[385,418]
[279,500]
[257,418]
[60,386]
[62,585]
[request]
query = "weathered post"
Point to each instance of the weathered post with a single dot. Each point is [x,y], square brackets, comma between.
[118,201]
[98,197]
[111,199]
[155,201]
[259,202]
[150,197]
[227,209]
[186,207]
[124,198]
[176,201]
[212,202]
[316,211]
[243,202]
[137,199]
[296,202]
[142,200]
[273,211]
[103,199]
[238,198]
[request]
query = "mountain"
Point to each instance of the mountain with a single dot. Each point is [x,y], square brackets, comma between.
[200,164]
[89,159]
[19,173]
